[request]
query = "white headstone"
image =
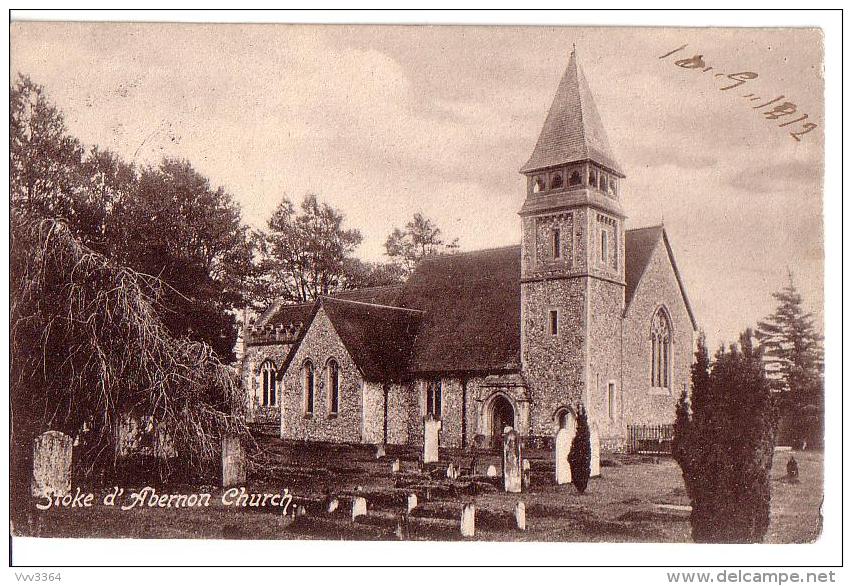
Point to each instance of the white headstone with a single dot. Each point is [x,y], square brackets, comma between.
[431,435]
[359,507]
[332,505]
[491,471]
[51,464]
[412,502]
[233,462]
[468,520]
[562,446]
[512,472]
[521,516]
[525,467]
[395,465]
[596,452]
[452,471]
[380,451]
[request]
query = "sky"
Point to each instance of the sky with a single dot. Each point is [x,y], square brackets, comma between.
[382,122]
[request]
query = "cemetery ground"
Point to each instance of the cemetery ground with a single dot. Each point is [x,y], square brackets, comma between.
[636,499]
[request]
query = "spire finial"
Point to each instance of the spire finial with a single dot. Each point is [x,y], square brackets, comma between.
[573,48]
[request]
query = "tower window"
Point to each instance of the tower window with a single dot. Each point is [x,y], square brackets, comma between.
[556,182]
[433,399]
[553,322]
[538,185]
[660,351]
[308,386]
[267,377]
[333,387]
[593,177]
[557,243]
[575,178]
[604,246]
[610,400]
[603,185]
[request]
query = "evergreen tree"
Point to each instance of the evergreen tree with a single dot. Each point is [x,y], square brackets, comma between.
[792,348]
[580,456]
[724,441]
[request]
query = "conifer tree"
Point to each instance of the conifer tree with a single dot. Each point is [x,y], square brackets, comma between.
[580,456]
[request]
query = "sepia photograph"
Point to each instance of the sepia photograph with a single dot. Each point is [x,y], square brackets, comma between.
[416,282]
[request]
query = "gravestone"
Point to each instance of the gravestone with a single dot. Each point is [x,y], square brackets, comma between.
[233,461]
[452,471]
[562,446]
[468,520]
[512,462]
[525,467]
[431,435]
[395,465]
[402,526]
[359,507]
[595,440]
[411,503]
[51,464]
[380,451]
[332,505]
[521,516]
[491,471]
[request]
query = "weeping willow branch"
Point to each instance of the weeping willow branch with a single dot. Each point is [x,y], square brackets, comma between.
[88,350]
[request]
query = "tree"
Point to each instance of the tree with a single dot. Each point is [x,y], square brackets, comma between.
[580,456]
[358,274]
[44,160]
[420,238]
[792,349]
[88,348]
[304,254]
[724,439]
[175,226]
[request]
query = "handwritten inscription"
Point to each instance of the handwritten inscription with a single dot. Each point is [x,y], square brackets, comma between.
[772,109]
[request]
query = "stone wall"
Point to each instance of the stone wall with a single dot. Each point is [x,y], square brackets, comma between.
[254,357]
[320,344]
[658,287]
[606,302]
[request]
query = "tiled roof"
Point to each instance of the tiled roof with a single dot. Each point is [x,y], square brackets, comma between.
[286,314]
[573,130]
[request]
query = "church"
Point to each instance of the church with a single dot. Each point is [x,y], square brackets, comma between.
[582,311]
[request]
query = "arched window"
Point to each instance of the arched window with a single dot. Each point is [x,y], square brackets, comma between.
[593,177]
[433,399]
[308,386]
[556,182]
[268,383]
[538,185]
[661,346]
[603,185]
[333,371]
[575,178]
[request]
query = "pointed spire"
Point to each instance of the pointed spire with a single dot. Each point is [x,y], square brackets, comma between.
[573,130]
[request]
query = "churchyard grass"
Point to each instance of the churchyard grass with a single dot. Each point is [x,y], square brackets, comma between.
[635,499]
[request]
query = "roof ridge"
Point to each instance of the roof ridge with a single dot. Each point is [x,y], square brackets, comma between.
[339,300]
[651,227]
[461,252]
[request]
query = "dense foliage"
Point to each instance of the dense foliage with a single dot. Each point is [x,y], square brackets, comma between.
[580,456]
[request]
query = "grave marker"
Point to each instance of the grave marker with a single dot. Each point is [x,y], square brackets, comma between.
[560,455]
[431,440]
[521,516]
[468,520]
[512,462]
[359,507]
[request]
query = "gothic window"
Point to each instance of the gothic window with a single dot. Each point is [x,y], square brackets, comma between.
[433,399]
[333,387]
[575,178]
[267,378]
[538,185]
[593,177]
[557,243]
[661,345]
[553,322]
[556,182]
[308,386]
[604,246]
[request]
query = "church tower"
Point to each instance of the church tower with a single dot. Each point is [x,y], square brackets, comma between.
[572,264]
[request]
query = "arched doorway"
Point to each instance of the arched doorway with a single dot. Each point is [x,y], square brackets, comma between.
[502,416]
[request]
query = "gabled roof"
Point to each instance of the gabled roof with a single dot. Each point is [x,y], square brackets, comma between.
[639,246]
[472,311]
[377,337]
[286,314]
[573,130]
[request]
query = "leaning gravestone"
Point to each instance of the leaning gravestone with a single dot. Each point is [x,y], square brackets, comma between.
[233,461]
[512,472]
[468,520]
[431,435]
[595,440]
[51,464]
[560,456]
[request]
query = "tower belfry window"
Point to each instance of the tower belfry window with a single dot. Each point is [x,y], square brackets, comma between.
[557,243]
[556,182]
